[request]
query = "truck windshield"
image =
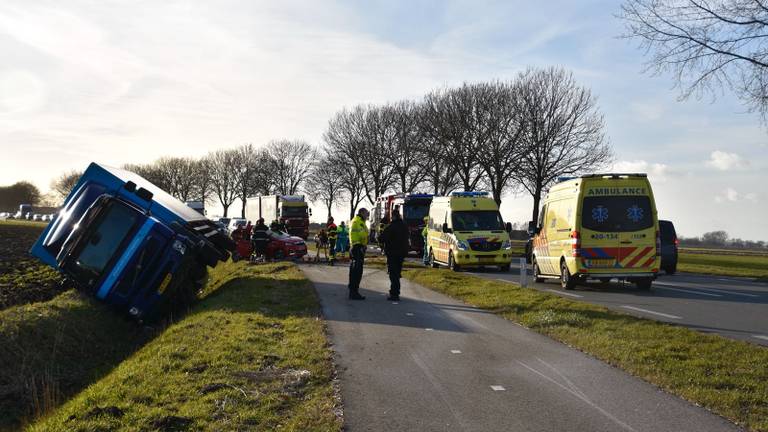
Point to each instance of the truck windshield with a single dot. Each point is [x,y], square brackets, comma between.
[477,220]
[617,213]
[101,243]
[294,211]
[415,212]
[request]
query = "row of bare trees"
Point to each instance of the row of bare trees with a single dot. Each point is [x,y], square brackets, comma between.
[500,135]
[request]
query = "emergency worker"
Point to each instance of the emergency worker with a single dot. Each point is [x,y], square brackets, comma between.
[260,239]
[342,240]
[394,239]
[332,238]
[274,226]
[424,235]
[359,238]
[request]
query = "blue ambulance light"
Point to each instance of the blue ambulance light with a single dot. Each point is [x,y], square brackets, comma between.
[470,194]
[419,195]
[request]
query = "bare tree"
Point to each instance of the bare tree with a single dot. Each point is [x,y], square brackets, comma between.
[291,163]
[323,184]
[202,180]
[223,178]
[150,172]
[252,167]
[563,130]
[63,184]
[500,128]
[450,118]
[178,175]
[406,152]
[706,44]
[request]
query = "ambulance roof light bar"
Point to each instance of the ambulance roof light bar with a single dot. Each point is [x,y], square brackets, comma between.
[615,175]
[470,194]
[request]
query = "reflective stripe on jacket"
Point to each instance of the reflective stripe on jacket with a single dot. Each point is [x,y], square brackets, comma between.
[358,234]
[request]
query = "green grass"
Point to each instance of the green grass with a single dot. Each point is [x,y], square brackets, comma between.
[726,376]
[251,356]
[725,265]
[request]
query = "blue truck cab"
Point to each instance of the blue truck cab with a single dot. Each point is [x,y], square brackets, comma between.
[127,242]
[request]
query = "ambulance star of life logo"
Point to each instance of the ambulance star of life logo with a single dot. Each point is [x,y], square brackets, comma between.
[635,213]
[600,214]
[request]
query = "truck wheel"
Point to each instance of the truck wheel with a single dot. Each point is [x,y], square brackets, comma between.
[644,284]
[536,271]
[567,281]
[452,264]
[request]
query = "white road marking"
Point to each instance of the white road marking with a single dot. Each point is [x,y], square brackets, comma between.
[564,293]
[652,312]
[409,313]
[690,291]
[760,337]
[455,352]
[395,303]
[497,388]
[503,280]
[428,329]
[721,291]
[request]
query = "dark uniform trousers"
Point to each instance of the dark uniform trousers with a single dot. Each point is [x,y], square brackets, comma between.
[356,268]
[395,268]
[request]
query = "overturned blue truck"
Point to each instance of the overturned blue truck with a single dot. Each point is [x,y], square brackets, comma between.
[130,244]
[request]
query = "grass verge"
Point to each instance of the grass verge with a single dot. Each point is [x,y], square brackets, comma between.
[725,376]
[251,356]
[755,266]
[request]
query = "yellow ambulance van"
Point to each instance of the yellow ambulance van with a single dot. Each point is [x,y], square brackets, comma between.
[597,226]
[466,230]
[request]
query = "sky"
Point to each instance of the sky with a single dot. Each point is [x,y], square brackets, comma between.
[117,82]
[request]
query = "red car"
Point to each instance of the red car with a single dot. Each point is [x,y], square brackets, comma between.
[280,246]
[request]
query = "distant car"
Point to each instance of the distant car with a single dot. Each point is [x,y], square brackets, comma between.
[281,246]
[220,227]
[669,244]
[234,223]
[224,221]
[37,217]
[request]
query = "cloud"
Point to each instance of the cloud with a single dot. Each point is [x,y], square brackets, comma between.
[657,172]
[725,161]
[647,111]
[732,195]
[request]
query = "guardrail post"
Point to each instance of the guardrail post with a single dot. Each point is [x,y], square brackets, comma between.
[523,272]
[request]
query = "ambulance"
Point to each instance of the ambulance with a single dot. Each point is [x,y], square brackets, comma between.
[597,226]
[466,230]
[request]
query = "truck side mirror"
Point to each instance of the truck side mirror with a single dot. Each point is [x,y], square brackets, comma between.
[532,229]
[130,186]
[445,227]
[508,227]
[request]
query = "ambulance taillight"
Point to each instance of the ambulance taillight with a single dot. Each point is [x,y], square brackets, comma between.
[575,243]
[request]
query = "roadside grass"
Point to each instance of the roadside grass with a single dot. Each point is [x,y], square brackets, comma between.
[725,376]
[23,279]
[252,355]
[755,266]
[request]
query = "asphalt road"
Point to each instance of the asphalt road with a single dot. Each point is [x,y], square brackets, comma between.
[431,363]
[732,307]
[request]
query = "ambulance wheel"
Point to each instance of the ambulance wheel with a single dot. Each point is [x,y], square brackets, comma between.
[452,264]
[536,272]
[566,280]
[432,262]
[671,270]
[644,284]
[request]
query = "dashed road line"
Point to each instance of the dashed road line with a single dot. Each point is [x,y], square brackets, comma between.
[497,388]
[690,291]
[712,290]
[409,314]
[637,309]
[455,352]
[763,337]
[429,329]
[564,293]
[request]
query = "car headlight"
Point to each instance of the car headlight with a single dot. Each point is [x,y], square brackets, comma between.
[179,247]
[462,245]
[507,245]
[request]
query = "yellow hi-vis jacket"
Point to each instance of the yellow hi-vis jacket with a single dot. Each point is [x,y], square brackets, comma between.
[358,233]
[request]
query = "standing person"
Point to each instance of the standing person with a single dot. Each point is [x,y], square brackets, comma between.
[260,239]
[425,235]
[394,239]
[283,227]
[359,237]
[342,240]
[332,237]
[274,226]
[321,240]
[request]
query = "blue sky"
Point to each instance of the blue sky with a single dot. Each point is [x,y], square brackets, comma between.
[120,82]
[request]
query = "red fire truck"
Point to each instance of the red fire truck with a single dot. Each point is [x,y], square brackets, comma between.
[414,207]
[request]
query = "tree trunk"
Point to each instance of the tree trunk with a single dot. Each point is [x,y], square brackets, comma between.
[226,208]
[536,202]
[243,212]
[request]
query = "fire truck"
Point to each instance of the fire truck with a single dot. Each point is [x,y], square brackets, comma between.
[289,209]
[413,207]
